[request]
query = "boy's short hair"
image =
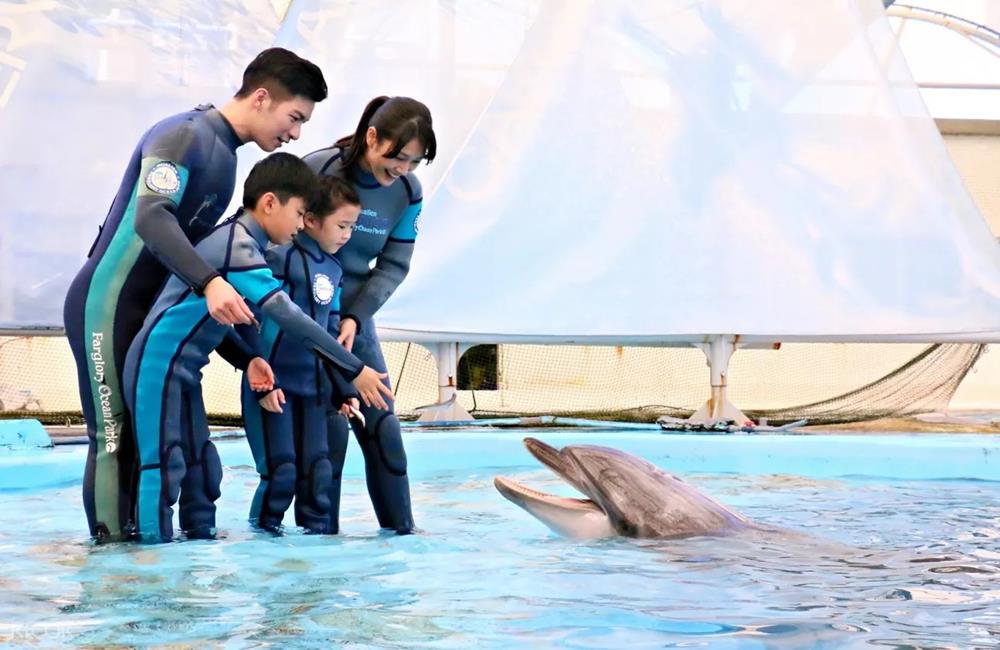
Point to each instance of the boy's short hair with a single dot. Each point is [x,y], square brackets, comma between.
[283,174]
[331,193]
[284,74]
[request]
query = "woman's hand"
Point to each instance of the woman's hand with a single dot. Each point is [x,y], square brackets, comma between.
[348,330]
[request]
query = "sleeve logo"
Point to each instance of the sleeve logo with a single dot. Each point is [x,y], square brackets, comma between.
[322,289]
[164,178]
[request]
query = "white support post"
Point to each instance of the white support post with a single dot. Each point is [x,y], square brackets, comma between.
[718,351]
[447,408]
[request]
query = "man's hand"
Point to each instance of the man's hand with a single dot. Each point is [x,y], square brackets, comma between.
[225,305]
[370,386]
[272,401]
[348,330]
[259,375]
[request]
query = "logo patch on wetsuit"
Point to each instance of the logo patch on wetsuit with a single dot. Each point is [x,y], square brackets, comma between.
[322,289]
[163,178]
[416,224]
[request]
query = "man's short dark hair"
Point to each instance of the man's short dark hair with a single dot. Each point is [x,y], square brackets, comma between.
[331,193]
[283,174]
[284,74]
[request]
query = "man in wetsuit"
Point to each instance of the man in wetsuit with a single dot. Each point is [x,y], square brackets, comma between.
[178,181]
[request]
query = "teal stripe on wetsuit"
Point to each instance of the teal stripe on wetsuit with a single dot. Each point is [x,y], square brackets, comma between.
[178,323]
[109,405]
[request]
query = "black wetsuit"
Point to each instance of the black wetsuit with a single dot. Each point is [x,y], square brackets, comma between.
[290,448]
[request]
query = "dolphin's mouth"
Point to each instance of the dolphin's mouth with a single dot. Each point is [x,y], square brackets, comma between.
[579,518]
[562,466]
[522,494]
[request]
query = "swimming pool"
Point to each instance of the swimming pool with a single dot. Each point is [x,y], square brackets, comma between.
[902,547]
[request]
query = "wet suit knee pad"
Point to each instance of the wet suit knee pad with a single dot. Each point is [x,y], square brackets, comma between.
[174,470]
[281,489]
[389,441]
[388,485]
[320,480]
[312,497]
[199,492]
[211,465]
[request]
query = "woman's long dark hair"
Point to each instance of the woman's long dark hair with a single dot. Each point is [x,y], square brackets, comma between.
[399,119]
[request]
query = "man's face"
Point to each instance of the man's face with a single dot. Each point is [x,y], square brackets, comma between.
[279,122]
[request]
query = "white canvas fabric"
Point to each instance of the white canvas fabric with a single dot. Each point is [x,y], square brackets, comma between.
[652,172]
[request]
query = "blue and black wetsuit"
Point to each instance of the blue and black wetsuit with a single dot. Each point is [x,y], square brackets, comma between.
[290,448]
[163,379]
[385,232]
[178,181]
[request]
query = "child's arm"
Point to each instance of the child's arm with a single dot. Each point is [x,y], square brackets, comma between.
[237,348]
[334,324]
[241,349]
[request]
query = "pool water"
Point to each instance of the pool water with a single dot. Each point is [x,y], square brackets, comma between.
[886,557]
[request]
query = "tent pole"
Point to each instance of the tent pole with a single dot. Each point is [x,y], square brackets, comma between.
[718,351]
[446,355]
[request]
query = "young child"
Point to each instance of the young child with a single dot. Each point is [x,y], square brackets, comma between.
[290,444]
[163,366]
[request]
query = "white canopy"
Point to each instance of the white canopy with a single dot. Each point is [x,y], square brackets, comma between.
[79,85]
[659,172]
[644,172]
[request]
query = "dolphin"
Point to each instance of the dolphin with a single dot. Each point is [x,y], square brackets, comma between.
[626,496]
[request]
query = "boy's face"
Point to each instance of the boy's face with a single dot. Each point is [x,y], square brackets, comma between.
[278,122]
[281,220]
[333,232]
